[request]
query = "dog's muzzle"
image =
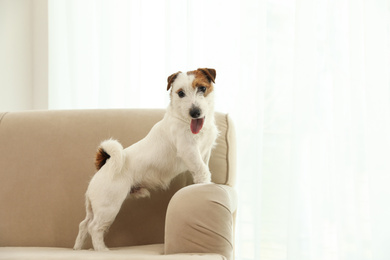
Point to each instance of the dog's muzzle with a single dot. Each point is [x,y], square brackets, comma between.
[195,112]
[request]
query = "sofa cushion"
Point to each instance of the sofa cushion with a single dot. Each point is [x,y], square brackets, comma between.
[147,252]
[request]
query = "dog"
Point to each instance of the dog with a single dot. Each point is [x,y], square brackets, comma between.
[181,141]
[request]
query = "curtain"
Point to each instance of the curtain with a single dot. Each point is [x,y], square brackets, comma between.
[307,83]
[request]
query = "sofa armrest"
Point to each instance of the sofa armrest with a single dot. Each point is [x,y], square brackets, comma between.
[200,219]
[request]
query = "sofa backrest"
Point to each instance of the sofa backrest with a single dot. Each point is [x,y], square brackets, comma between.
[47,160]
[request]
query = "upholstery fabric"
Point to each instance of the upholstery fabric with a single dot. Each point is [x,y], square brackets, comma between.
[188,229]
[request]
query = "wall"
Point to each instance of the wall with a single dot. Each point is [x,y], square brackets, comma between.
[23,55]
[40,54]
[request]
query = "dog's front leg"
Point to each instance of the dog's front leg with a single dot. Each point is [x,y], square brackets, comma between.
[206,157]
[194,162]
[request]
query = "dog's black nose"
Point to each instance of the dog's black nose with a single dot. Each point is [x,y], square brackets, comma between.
[195,112]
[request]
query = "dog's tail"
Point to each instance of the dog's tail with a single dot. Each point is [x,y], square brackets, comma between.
[110,152]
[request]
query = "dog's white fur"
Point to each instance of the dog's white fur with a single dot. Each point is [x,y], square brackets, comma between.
[169,149]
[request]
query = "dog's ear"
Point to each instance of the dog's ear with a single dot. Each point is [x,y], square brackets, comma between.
[209,73]
[171,79]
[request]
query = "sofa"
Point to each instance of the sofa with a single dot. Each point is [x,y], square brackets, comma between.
[47,160]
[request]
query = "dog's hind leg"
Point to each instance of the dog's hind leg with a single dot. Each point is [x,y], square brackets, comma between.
[102,220]
[97,230]
[83,227]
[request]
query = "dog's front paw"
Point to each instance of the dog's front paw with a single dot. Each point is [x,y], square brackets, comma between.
[202,178]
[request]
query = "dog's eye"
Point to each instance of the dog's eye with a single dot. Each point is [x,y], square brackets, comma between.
[181,94]
[202,89]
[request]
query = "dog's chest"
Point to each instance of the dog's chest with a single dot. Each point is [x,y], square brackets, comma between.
[206,140]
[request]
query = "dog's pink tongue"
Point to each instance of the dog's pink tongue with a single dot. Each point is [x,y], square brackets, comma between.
[196,125]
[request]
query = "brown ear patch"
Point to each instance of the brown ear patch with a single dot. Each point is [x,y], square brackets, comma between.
[209,73]
[171,79]
[101,158]
[205,78]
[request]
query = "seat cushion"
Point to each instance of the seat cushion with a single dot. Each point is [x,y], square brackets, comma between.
[146,252]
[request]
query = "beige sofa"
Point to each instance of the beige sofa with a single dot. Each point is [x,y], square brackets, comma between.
[46,161]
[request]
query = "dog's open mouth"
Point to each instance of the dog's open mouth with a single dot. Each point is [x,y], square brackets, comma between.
[196,125]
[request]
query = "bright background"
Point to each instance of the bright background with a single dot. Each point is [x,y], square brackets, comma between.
[307,83]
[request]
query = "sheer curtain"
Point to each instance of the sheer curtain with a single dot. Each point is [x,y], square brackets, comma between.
[307,83]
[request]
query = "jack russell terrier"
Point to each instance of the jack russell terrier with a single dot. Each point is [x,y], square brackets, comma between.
[181,141]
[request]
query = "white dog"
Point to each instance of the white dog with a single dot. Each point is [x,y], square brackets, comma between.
[181,141]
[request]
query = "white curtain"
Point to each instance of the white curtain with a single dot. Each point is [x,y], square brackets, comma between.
[307,83]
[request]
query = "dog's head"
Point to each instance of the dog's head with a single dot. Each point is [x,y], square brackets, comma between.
[192,96]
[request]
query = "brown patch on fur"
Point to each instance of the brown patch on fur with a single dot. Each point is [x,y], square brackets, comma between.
[209,73]
[101,158]
[171,79]
[204,77]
